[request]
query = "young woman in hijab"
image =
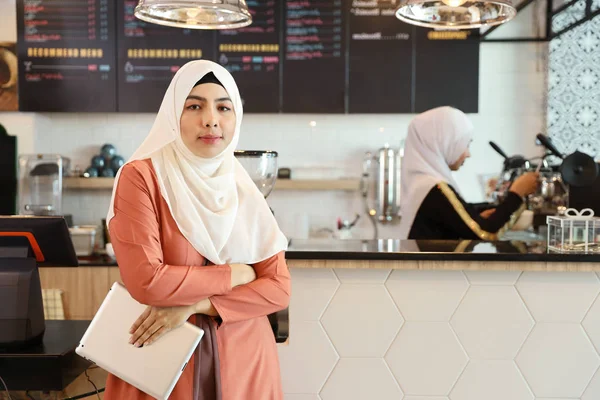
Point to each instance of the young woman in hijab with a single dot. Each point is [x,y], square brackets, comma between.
[196,241]
[432,208]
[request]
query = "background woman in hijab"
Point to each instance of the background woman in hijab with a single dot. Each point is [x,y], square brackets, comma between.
[196,241]
[432,208]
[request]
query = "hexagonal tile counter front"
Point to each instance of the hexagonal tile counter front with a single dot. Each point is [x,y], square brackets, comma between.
[427,295]
[359,379]
[312,290]
[308,359]
[558,360]
[491,380]
[558,296]
[426,358]
[424,398]
[591,323]
[592,392]
[492,322]
[362,320]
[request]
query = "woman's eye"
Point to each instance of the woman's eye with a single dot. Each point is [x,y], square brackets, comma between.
[193,107]
[224,108]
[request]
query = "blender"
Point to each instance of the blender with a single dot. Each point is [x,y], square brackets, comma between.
[40,184]
[261,165]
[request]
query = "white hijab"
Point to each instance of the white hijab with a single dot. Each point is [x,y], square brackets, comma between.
[215,204]
[436,139]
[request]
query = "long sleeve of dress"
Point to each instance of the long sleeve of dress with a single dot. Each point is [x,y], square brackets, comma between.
[445,213]
[270,292]
[135,235]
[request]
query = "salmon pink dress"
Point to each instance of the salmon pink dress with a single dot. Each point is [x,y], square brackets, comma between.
[237,358]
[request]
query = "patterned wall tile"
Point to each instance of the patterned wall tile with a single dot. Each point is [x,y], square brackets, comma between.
[574,87]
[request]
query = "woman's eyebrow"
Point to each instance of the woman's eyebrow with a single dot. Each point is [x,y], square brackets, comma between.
[194,97]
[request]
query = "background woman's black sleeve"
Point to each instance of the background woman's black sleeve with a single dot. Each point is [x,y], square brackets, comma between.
[444,207]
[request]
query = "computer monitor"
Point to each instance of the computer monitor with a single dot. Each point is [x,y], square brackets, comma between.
[27,242]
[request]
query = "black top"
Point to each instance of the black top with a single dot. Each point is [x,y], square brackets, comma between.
[445,215]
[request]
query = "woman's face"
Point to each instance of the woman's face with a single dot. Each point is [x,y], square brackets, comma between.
[208,120]
[461,160]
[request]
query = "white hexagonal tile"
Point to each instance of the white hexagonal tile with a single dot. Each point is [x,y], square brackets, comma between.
[591,323]
[492,322]
[491,380]
[308,359]
[492,277]
[312,290]
[427,295]
[426,358]
[301,397]
[362,275]
[558,296]
[558,360]
[553,398]
[361,320]
[359,379]
[592,392]
[425,398]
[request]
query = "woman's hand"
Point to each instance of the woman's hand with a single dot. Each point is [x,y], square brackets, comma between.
[205,307]
[156,321]
[241,274]
[525,184]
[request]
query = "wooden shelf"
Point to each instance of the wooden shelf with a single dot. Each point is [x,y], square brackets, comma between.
[317,184]
[281,184]
[88,183]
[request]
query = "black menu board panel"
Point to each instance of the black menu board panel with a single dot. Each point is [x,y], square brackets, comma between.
[314,73]
[66,55]
[150,54]
[447,70]
[380,60]
[253,56]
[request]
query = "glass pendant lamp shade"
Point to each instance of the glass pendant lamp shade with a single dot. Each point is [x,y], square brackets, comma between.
[455,14]
[195,14]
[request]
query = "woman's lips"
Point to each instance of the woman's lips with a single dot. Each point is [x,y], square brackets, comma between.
[210,139]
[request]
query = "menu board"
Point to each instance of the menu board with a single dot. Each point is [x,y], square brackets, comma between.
[66,55]
[380,58]
[309,56]
[314,65]
[252,55]
[150,54]
[447,70]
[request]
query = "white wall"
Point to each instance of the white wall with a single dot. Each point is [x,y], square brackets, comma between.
[511,111]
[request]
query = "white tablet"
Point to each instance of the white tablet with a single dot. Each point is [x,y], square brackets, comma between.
[153,369]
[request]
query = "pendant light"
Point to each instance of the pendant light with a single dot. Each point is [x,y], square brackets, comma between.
[455,14]
[195,14]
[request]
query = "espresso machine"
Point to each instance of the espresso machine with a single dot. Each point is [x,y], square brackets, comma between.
[557,174]
[380,186]
[261,165]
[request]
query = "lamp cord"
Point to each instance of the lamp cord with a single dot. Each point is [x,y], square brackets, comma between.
[5,388]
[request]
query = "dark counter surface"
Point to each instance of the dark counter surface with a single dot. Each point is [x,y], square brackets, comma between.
[391,249]
[443,250]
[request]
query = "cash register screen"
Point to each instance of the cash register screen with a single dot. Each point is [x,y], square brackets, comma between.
[50,233]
